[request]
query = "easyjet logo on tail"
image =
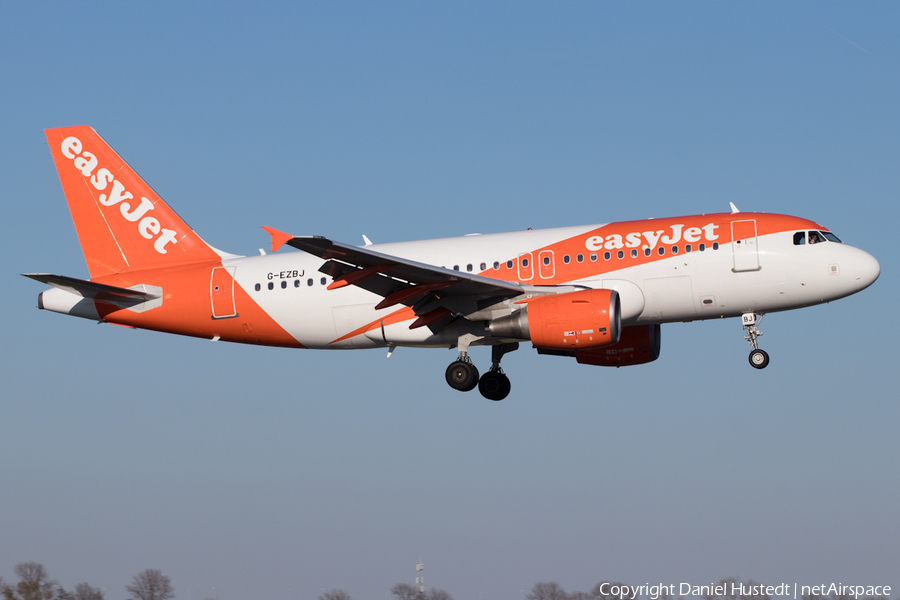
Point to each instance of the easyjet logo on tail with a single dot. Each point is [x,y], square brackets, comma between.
[147,225]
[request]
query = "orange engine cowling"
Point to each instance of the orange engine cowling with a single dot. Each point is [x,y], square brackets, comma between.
[638,345]
[583,319]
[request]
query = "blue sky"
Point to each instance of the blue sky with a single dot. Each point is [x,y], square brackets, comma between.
[254,472]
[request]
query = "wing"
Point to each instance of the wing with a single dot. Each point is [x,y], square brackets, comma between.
[436,295]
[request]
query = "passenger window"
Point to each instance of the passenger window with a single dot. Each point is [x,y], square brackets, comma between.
[284,285]
[509,264]
[296,283]
[620,254]
[496,265]
[469,267]
[606,256]
[322,281]
[456,267]
[309,282]
[661,250]
[646,251]
[566,259]
[580,258]
[483,266]
[800,238]
[702,247]
[546,260]
[687,248]
[271,286]
[674,249]
[634,254]
[715,245]
[524,262]
[257,287]
[593,257]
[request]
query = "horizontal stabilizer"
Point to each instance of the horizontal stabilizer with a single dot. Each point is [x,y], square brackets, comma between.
[89,289]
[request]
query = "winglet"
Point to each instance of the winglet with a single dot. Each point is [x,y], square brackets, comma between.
[734,209]
[279,238]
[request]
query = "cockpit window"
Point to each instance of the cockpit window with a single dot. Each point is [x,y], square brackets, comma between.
[830,237]
[815,237]
[799,238]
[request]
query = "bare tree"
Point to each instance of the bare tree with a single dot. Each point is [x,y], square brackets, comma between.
[151,584]
[579,596]
[85,592]
[438,594]
[34,584]
[404,591]
[547,591]
[335,595]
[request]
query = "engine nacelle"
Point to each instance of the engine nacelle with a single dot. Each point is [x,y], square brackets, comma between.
[638,345]
[583,319]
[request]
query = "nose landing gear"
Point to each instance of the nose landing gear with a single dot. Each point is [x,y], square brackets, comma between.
[493,385]
[759,359]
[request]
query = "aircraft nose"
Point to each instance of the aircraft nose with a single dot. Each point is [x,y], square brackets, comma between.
[867,270]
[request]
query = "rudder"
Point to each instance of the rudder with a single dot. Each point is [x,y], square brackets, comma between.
[122,224]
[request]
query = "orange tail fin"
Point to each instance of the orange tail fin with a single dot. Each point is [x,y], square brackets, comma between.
[121,223]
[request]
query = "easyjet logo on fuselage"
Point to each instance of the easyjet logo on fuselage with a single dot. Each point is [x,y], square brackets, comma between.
[634,239]
[147,225]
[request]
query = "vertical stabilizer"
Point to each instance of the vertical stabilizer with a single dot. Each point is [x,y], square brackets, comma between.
[121,223]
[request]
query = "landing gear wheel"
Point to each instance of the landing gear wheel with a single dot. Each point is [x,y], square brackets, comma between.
[494,385]
[759,359]
[462,376]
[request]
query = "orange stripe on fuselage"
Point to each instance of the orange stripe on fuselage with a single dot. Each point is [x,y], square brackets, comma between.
[404,314]
[186,308]
[573,246]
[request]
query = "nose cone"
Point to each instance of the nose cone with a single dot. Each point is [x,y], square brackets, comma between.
[866,269]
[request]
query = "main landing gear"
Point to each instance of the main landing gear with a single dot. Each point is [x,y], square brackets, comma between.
[758,358]
[493,385]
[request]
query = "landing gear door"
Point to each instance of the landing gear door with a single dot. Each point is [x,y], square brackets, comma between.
[221,292]
[743,245]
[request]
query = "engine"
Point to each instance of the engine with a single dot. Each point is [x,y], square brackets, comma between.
[568,322]
[638,345]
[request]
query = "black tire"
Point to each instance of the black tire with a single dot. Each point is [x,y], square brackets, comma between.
[759,359]
[494,385]
[462,376]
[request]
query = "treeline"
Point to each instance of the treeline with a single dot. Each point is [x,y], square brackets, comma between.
[35,584]
[151,584]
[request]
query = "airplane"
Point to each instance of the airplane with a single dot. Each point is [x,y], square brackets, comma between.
[595,293]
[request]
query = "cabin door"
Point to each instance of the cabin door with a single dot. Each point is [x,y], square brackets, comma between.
[743,245]
[221,292]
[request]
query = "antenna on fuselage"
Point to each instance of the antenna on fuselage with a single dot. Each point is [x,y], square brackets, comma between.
[734,209]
